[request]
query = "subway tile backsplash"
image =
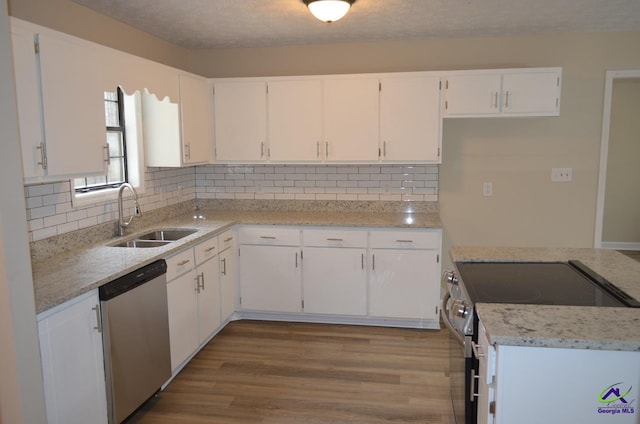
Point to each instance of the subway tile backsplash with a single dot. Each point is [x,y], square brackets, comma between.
[50,211]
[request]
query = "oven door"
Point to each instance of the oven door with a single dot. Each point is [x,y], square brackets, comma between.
[461,364]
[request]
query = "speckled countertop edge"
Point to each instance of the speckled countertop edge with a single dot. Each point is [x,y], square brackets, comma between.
[552,326]
[72,273]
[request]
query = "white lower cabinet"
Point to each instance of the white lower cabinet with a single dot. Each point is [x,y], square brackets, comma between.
[369,275]
[193,295]
[405,270]
[270,278]
[72,362]
[228,275]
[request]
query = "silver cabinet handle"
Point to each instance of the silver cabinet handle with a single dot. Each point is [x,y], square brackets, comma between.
[186,261]
[404,241]
[362,260]
[384,148]
[335,239]
[199,282]
[296,259]
[506,99]
[373,261]
[209,249]
[107,156]
[224,266]
[495,100]
[326,149]
[227,240]
[187,150]
[318,149]
[268,237]
[98,326]
[262,149]
[43,155]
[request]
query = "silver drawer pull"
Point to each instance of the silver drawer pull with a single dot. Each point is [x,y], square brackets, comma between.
[404,241]
[186,261]
[98,326]
[335,239]
[268,237]
[227,240]
[209,249]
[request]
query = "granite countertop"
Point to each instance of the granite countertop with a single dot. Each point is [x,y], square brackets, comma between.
[600,328]
[67,275]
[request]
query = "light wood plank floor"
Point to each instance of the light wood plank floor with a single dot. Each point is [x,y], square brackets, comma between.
[286,373]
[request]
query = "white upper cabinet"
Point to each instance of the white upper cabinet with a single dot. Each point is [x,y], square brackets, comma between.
[161,126]
[410,119]
[60,104]
[295,120]
[509,92]
[351,109]
[240,126]
[195,108]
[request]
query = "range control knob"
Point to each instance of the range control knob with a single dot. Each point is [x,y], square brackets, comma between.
[450,277]
[460,308]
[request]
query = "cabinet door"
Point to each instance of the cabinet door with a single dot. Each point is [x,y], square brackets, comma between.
[295,120]
[28,102]
[73,365]
[73,107]
[228,283]
[161,124]
[525,93]
[335,281]
[410,119]
[404,284]
[270,278]
[350,110]
[208,289]
[240,116]
[183,317]
[195,111]
[473,94]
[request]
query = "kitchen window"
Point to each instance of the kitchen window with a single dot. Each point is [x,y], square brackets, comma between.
[124,136]
[116,140]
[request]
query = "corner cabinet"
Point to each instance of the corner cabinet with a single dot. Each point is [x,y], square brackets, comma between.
[60,104]
[195,113]
[73,363]
[508,92]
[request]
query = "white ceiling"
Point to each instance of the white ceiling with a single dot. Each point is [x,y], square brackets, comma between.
[197,24]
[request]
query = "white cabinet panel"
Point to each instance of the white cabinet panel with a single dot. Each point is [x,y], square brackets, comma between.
[73,364]
[208,293]
[295,120]
[270,278]
[240,113]
[195,112]
[350,110]
[269,235]
[335,281]
[335,237]
[161,124]
[402,284]
[183,317]
[531,93]
[405,239]
[228,282]
[410,119]
[473,93]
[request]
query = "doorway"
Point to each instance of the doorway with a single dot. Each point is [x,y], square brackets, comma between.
[618,203]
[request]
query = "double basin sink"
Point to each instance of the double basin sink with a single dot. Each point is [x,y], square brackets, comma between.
[155,238]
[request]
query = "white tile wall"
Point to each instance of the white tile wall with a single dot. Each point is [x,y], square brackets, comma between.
[311,182]
[51,213]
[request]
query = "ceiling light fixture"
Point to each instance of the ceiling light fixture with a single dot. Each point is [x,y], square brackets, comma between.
[329,10]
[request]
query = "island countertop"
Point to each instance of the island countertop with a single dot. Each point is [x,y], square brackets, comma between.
[600,328]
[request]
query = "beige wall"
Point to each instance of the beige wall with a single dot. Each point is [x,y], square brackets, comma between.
[67,16]
[622,199]
[515,154]
[21,393]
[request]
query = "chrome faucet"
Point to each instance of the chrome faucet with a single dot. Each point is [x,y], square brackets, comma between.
[137,211]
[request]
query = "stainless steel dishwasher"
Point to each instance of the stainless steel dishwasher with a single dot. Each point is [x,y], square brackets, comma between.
[136,338]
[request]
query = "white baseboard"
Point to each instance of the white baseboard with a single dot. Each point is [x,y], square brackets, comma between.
[620,245]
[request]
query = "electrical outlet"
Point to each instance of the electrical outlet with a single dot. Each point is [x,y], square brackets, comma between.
[487,189]
[561,175]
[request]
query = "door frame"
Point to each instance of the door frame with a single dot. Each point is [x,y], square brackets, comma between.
[611,76]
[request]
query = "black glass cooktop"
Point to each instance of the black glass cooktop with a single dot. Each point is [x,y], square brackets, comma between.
[540,283]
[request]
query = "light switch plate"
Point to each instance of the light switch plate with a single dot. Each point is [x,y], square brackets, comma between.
[561,175]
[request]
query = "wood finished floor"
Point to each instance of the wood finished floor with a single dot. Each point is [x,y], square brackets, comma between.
[286,373]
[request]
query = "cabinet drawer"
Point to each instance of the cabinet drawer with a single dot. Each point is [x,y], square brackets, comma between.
[405,239]
[226,240]
[268,235]
[179,264]
[334,237]
[205,250]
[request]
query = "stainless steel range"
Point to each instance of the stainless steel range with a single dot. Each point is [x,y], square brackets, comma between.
[538,283]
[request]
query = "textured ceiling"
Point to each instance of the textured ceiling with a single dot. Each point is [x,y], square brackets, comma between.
[197,24]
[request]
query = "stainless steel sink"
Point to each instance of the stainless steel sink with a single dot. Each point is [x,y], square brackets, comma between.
[155,238]
[140,243]
[168,234]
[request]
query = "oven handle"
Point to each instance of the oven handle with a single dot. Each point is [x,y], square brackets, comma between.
[447,322]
